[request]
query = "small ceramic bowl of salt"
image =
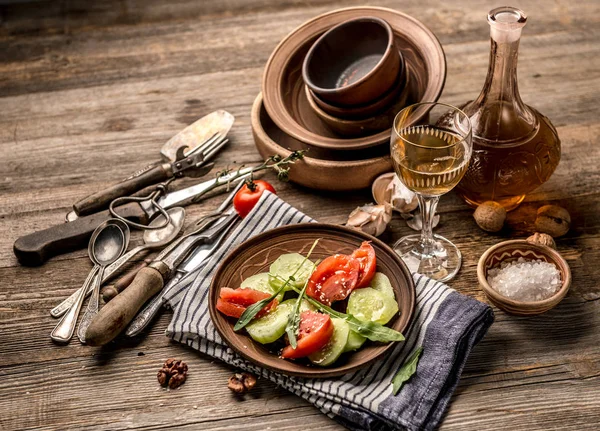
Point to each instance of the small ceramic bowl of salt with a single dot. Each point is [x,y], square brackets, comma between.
[523,278]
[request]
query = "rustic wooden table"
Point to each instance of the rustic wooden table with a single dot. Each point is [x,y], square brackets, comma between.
[89,91]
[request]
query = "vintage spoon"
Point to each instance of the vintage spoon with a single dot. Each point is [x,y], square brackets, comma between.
[105,247]
[152,239]
[63,332]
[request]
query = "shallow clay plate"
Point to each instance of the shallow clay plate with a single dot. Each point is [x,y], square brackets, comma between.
[256,255]
[315,170]
[283,87]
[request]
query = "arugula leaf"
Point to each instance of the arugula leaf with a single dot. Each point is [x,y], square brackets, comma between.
[294,318]
[406,371]
[371,330]
[251,312]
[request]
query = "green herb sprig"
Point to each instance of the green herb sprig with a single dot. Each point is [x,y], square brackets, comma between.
[251,312]
[280,165]
[406,371]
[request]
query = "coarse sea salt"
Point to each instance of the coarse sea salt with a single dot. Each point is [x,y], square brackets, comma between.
[525,280]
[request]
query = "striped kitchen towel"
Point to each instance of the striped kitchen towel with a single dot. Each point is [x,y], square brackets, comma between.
[446,323]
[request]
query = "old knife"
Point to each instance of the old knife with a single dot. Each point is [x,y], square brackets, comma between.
[187,153]
[35,248]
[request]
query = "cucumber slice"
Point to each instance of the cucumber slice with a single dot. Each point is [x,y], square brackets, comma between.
[381,283]
[271,327]
[355,341]
[261,283]
[286,265]
[335,347]
[304,305]
[368,304]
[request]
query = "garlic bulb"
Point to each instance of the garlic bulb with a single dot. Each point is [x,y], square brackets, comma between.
[402,199]
[388,188]
[370,218]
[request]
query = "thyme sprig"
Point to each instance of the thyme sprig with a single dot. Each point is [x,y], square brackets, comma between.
[276,163]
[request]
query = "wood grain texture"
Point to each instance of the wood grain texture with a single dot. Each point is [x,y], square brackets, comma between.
[89,91]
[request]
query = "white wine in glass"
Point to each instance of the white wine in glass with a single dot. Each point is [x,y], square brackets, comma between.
[430,159]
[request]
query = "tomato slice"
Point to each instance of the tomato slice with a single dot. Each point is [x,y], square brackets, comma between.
[314,333]
[233,302]
[230,309]
[334,279]
[368,262]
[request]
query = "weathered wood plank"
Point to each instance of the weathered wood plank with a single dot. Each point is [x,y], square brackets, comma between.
[89,91]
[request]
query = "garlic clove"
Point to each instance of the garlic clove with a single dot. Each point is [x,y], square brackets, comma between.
[358,217]
[388,188]
[371,219]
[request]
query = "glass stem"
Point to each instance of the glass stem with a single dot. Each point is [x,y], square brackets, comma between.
[427,205]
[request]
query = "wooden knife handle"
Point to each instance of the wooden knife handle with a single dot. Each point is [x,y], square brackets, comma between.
[117,314]
[36,248]
[109,292]
[102,199]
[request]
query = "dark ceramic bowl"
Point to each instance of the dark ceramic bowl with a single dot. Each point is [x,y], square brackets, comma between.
[354,63]
[390,98]
[255,256]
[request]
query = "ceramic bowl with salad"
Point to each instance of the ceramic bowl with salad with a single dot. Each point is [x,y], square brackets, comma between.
[312,300]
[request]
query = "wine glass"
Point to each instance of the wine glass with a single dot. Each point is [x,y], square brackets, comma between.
[430,158]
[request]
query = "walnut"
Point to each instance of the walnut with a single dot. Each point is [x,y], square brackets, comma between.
[543,239]
[240,383]
[163,377]
[173,373]
[490,216]
[553,220]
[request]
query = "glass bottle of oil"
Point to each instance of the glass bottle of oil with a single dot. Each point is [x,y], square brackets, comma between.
[515,148]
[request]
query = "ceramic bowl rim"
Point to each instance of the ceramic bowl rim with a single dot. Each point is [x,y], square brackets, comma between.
[258,104]
[543,304]
[348,88]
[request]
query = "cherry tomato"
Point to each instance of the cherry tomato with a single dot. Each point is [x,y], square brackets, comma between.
[233,302]
[366,257]
[314,333]
[334,279]
[247,197]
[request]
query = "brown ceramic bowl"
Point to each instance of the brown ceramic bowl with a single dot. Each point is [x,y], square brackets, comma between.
[359,127]
[318,170]
[255,255]
[512,250]
[353,63]
[399,89]
[283,87]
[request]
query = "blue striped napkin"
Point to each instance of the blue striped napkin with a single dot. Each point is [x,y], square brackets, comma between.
[446,323]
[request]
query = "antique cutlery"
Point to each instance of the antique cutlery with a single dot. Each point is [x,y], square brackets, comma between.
[186,154]
[106,235]
[110,243]
[37,247]
[117,314]
[152,239]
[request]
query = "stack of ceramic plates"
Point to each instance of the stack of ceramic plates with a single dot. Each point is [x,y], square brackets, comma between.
[283,120]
